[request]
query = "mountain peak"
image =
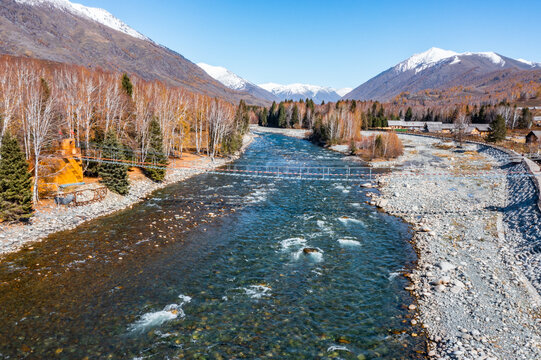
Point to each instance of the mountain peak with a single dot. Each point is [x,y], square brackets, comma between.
[96,14]
[437,69]
[426,59]
[492,56]
[226,77]
[302,91]
[235,82]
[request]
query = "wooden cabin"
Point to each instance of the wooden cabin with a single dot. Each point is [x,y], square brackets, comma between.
[534,137]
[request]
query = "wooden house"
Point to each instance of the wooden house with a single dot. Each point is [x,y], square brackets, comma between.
[534,137]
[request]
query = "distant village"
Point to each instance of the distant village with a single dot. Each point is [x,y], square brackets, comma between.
[533,137]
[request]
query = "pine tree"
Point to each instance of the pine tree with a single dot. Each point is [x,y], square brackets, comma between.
[263,117]
[282,116]
[242,118]
[409,114]
[15,182]
[273,119]
[127,85]
[498,130]
[295,118]
[155,154]
[91,168]
[305,120]
[114,176]
[526,119]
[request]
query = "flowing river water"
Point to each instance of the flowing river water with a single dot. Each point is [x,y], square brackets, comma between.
[213,268]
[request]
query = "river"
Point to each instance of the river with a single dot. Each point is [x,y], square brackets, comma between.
[213,268]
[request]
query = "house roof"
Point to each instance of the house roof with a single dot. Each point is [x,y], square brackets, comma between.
[537,133]
[404,123]
[434,126]
[481,127]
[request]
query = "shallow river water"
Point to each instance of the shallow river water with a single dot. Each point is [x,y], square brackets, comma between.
[213,268]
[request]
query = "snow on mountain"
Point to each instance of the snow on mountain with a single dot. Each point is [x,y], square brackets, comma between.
[235,82]
[343,91]
[226,77]
[433,56]
[495,58]
[531,63]
[99,15]
[426,59]
[436,69]
[302,91]
[278,91]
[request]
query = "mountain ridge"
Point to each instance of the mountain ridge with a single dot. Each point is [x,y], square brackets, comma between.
[44,29]
[435,69]
[235,82]
[299,91]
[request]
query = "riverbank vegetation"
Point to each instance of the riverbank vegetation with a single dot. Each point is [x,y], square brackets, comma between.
[43,102]
[342,122]
[377,146]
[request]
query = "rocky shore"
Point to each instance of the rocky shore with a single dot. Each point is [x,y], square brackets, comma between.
[48,220]
[296,133]
[476,238]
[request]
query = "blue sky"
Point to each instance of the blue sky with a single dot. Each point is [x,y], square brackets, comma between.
[331,43]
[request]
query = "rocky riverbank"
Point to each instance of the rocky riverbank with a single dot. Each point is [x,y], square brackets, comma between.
[296,133]
[48,220]
[474,300]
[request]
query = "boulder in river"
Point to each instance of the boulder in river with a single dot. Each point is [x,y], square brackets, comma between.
[310,250]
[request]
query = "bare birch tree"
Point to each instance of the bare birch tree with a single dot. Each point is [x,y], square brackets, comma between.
[9,100]
[39,116]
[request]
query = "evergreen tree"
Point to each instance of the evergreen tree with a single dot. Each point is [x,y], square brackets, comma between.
[295,118]
[242,118]
[263,117]
[282,116]
[526,119]
[374,109]
[155,153]
[409,114]
[353,106]
[114,176]
[381,112]
[91,168]
[15,182]
[498,130]
[305,120]
[127,85]
[273,119]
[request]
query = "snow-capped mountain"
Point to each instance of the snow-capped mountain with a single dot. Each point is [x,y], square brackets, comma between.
[99,15]
[436,69]
[226,77]
[66,32]
[302,91]
[419,62]
[273,91]
[235,82]
[343,91]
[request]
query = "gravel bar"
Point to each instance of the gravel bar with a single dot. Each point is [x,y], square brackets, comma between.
[479,245]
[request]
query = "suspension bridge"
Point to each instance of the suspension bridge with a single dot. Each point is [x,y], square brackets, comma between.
[294,171]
